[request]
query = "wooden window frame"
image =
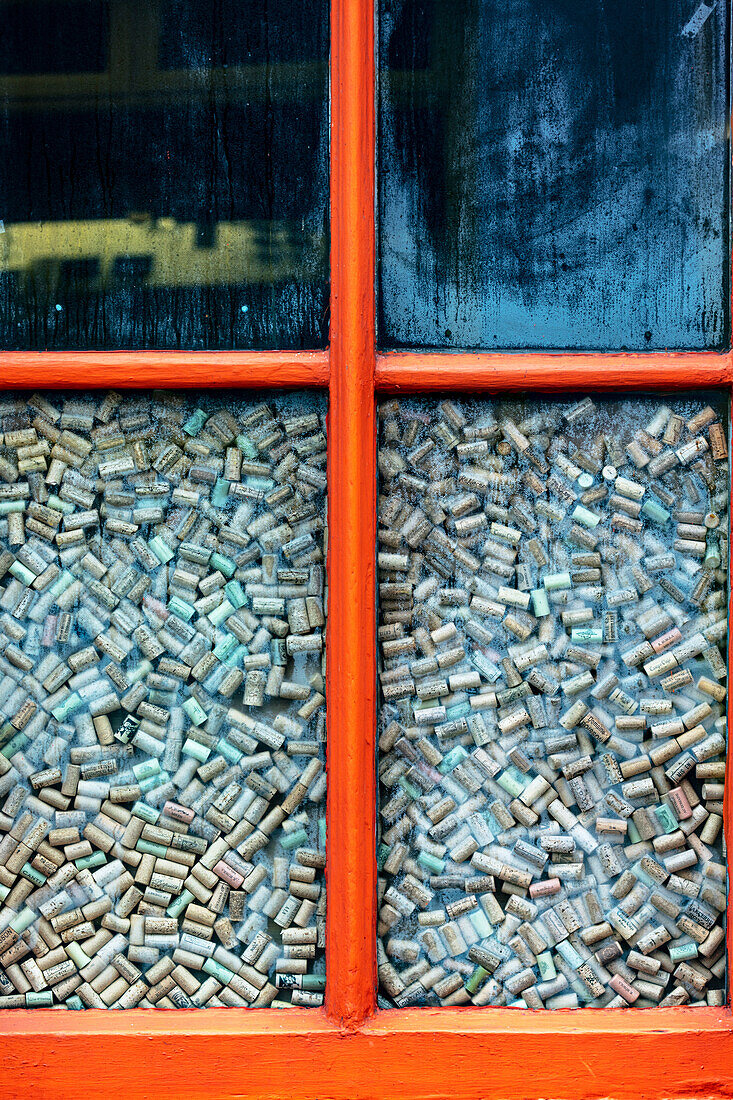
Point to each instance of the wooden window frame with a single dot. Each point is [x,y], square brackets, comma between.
[350,1050]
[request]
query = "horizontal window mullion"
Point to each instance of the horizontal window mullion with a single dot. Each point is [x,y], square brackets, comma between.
[418,371]
[158,369]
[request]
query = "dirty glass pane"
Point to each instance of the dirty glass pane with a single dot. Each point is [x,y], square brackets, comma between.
[553,174]
[164,177]
[162,709]
[553,623]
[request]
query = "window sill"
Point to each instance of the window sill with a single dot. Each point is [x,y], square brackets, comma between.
[482,1054]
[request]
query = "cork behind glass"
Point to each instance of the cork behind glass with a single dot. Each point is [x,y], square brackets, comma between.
[162,710]
[553,583]
[553,175]
[164,179]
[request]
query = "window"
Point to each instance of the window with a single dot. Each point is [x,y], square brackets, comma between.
[170,175]
[352,1047]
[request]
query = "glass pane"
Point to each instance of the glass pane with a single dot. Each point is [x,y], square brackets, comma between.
[165,174]
[553,174]
[553,628]
[162,711]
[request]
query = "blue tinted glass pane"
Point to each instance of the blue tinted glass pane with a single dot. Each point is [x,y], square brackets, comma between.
[163,174]
[553,173]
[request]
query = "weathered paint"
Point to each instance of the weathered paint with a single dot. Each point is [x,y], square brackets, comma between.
[415,372]
[352,468]
[418,1054]
[128,370]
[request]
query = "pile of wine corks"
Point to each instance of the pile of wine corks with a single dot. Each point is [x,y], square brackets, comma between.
[553,581]
[162,701]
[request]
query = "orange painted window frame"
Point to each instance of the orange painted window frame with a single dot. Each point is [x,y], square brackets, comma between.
[350,1050]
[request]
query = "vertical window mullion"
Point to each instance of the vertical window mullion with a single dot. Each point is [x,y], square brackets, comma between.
[351,654]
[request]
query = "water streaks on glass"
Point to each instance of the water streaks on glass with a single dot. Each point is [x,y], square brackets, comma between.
[553,174]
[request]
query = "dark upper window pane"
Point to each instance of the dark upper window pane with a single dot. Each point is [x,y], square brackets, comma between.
[52,37]
[223,32]
[163,174]
[553,173]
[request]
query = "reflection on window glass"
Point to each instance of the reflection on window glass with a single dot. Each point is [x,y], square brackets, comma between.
[553,174]
[553,627]
[164,174]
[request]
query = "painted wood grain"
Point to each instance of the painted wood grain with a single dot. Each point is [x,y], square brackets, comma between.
[351,640]
[186,369]
[416,1054]
[415,372]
